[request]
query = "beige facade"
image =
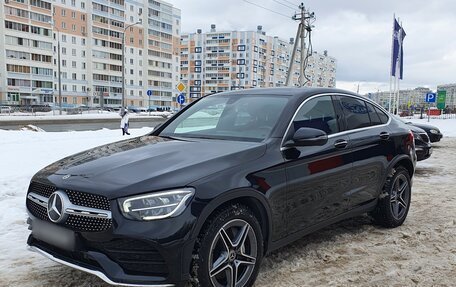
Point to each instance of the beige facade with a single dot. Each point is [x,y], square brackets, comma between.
[90,37]
[219,61]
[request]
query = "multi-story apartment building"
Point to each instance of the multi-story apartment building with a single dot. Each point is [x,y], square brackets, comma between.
[227,60]
[90,34]
[450,94]
[26,51]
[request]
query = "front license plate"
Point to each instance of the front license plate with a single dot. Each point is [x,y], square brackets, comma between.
[54,235]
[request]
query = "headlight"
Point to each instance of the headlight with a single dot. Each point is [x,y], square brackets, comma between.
[434,131]
[156,205]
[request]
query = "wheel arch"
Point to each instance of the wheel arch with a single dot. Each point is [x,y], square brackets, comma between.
[254,200]
[404,161]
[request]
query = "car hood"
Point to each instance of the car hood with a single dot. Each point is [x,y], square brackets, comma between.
[424,126]
[146,164]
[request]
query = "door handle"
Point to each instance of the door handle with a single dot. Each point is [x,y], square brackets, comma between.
[384,135]
[341,143]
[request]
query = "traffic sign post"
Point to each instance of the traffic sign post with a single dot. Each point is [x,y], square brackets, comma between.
[430,98]
[180,100]
[149,94]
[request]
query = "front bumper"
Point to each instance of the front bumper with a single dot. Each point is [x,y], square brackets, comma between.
[435,137]
[130,253]
[423,152]
[88,269]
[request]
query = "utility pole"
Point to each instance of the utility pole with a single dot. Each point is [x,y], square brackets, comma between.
[305,26]
[58,69]
[123,64]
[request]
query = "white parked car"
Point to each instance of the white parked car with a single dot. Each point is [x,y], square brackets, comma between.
[5,109]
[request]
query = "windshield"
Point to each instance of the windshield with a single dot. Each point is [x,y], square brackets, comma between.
[229,117]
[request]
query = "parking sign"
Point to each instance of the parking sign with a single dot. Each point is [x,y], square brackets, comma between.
[430,97]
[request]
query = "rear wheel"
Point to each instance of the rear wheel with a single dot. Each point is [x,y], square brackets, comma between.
[393,207]
[229,250]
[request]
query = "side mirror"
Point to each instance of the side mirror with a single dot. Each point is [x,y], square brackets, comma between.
[308,137]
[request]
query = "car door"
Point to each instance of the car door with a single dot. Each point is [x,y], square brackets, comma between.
[317,176]
[370,144]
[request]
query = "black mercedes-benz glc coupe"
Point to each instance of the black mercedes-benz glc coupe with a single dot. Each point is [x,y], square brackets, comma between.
[233,176]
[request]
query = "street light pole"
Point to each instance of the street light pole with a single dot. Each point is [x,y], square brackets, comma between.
[58,68]
[123,64]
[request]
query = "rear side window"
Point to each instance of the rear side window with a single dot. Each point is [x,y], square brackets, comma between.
[375,119]
[383,117]
[356,113]
[317,113]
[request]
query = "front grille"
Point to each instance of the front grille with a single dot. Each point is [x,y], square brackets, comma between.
[74,222]
[136,257]
[88,199]
[425,137]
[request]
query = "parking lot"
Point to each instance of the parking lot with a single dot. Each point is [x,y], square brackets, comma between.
[422,252]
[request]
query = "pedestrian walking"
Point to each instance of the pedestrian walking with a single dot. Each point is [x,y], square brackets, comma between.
[124,122]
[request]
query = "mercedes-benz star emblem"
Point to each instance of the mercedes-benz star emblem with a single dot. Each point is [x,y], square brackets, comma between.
[66,176]
[56,207]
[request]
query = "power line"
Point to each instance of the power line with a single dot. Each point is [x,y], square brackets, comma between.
[288,17]
[289,2]
[286,5]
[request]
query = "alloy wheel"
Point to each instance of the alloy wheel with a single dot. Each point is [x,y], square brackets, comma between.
[233,254]
[400,196]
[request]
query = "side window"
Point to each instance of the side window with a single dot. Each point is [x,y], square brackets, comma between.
[356,113]
[375,120]
[317,113]
[383,117]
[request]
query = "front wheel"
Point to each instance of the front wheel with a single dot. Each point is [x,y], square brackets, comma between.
[229,250]
[393,207]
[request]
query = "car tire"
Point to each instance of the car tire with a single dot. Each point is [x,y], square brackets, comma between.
[229,249]
[394,203]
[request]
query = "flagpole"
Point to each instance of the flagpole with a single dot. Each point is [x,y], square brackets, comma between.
[391,66]
[398,66]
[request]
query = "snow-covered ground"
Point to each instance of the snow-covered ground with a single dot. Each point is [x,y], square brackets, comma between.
[85,115]
[421,252]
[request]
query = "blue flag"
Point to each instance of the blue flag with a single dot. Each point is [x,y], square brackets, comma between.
[398,50]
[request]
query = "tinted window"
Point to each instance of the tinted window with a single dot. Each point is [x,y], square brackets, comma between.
[356,113]
[375,120]
[317,113]
[229,117]
[383,117]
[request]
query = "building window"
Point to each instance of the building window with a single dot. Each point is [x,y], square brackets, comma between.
[197,82]
[241,61]
[241,48]
[63,12]
[198,49]
[198,63]
[197,69]
[83,5]
[73,64]
[73,14]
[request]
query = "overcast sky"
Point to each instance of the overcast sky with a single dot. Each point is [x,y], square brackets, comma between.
[356,32]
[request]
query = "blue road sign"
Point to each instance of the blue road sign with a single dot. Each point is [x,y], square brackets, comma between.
[180,99]
[149,93]
[430,97]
